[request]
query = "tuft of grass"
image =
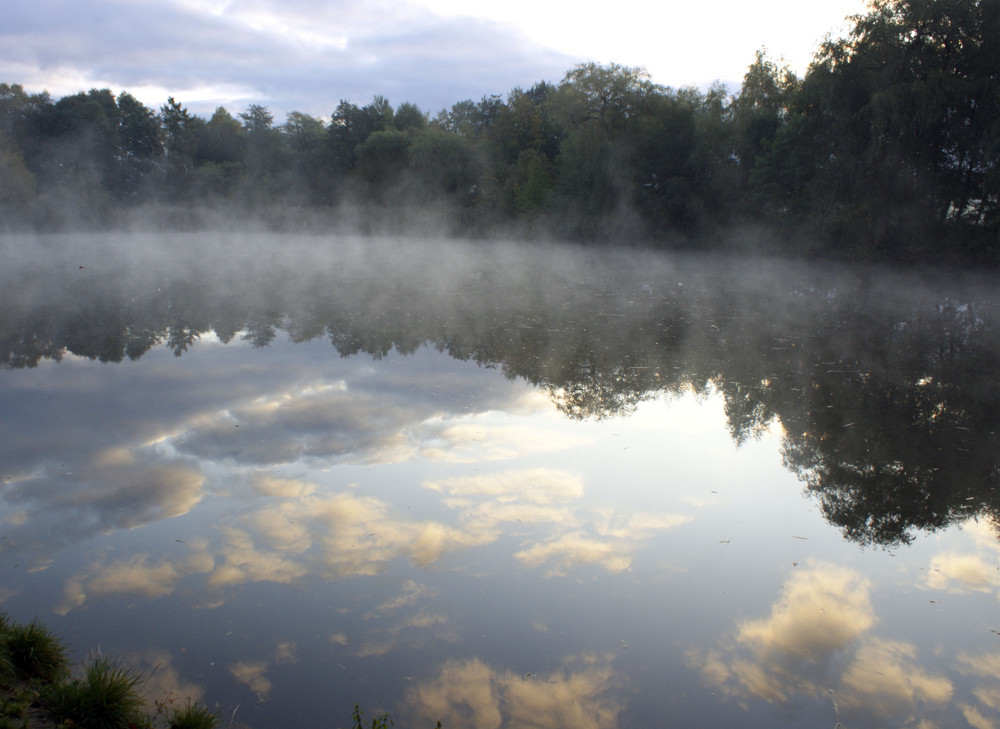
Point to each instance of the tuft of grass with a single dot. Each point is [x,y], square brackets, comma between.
[106,696]
[379,722]
[7,671]
[193,716]
[33,651]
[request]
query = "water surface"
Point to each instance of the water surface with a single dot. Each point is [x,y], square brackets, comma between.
[505,486]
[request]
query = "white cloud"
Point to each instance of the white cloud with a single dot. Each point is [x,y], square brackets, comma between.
[534,486]
[817,645]
[580,695]
[821,610]
[575,549]
[886,677]
[975,568]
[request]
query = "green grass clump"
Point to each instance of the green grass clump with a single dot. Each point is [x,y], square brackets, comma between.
[7,672]
[193,716]
[32,651]
[37,690]
[107,696]
[379,722]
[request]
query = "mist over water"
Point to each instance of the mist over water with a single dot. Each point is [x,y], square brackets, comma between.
[504,484]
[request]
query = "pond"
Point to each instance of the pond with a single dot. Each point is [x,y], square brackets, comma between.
[502,485]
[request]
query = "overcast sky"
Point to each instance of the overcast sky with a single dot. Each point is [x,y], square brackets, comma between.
[306,55]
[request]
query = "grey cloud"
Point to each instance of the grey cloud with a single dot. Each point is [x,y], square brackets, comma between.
[54,509]
[60,486]
[358,418]
[303,56]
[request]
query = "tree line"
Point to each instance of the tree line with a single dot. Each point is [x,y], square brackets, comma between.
[887,148]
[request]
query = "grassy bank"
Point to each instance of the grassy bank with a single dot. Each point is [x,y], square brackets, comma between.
[40,690]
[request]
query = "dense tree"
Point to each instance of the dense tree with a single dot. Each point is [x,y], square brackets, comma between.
[265,160]
[181,133]
[310,164]
[383,158]
[221,140]
[609,96]
[888,147]
[663,173]
[758,113]
[350,126]
[18,186]
[408,116]
[444,166]
[139,131]
[471,119]
[523,145]
[894,131]
[139,145]
[17,109]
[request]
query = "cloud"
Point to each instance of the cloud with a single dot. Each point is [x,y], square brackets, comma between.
[984,668]
[150,464]
[973,570]
[579,695]
[137,575]
[885,677]
[356,420]
[412,626]
[301,56]
[286,652]
[60,505]
[821,610]
[956,572]
[473,439]
[337,535]
[317,421]
[411,592]
[548,496]
[535,486]
[286,488]
[283,528]
[576,549]
[636,526]
[254,675]
[415,632]
[244,562]
[162,682]
[816,645]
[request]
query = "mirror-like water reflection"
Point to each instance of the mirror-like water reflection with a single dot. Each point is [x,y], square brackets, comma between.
[503,486]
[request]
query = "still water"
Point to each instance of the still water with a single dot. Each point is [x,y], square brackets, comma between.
[503,486]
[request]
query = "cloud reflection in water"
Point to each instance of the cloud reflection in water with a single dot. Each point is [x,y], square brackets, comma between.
[471,693]
[818,645]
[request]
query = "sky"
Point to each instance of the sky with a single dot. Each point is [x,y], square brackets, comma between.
[307,55]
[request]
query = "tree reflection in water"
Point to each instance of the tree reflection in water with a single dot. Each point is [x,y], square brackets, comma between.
[885,387]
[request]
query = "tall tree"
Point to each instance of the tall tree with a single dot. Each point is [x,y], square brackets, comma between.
[908,105]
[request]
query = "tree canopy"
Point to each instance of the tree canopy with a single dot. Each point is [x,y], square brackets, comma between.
[887,148]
